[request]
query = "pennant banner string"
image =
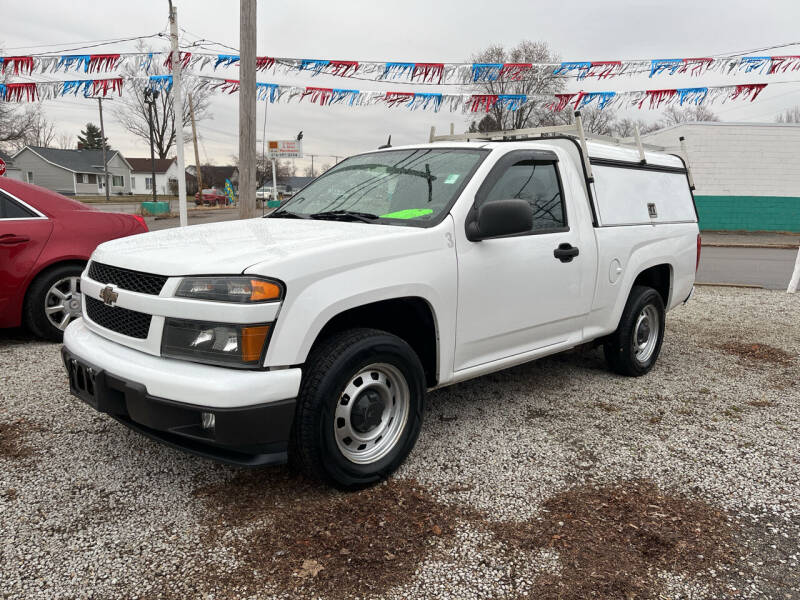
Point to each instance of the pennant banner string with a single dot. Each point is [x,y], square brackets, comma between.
[430,73]
[323,96]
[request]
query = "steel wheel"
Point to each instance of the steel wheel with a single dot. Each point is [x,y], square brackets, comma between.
[371,413]
[62,302]
[645,333]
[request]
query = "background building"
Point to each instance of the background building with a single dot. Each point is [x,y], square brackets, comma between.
[74,172]
[747,175]
[12,171]
[142,175]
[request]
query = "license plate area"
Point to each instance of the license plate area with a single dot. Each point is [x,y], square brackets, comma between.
[83,380]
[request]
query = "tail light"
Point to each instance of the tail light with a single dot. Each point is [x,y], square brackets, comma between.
[699,245]
[143,223]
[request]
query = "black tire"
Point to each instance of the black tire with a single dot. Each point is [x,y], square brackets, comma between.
[34,310]
[619,348]
[329,368]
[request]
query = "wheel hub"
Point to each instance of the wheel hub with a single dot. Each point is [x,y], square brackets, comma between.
[367,411]
[644,332]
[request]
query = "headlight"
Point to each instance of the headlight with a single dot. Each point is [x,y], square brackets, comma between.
[224,344]
[230,289]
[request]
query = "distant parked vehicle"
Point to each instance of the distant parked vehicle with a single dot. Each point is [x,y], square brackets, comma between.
[211,197]
[45,241]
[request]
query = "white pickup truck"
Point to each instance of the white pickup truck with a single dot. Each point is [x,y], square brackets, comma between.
[314,333]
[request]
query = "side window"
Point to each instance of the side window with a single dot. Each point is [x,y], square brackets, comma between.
[536,182]
[11,210]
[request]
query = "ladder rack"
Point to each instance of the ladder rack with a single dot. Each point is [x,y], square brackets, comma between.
[532,133]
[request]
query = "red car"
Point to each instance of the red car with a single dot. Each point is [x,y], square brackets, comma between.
[211,197]
[45,241]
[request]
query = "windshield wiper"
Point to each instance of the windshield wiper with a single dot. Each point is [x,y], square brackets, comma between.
[346,215]
[285,214]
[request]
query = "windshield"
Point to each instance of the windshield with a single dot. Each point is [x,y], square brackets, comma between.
[414,186]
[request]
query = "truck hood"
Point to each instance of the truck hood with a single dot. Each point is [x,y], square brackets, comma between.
[233,246]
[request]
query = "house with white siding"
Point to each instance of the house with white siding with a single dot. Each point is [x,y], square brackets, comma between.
[746,175]
[142,175]
[74,172]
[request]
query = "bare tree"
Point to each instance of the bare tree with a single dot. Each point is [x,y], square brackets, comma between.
[15,123]
[626,127]
[532,84]
[39,131]
[674,115]
[790,115]
[133,112]
[64,141]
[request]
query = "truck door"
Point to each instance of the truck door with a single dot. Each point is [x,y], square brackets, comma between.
[524,292]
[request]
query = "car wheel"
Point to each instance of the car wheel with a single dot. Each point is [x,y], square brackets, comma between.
[634,347]
[360,408]
[54,301]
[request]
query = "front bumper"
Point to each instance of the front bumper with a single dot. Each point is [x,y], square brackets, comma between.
[244,433]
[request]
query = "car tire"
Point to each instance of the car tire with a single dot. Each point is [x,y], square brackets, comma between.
[634,347]
[43,295]
[353,433]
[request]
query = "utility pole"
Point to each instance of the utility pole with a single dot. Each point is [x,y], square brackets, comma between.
[150,96]
[103,144]
[247,109]
[177,99]
[196,153]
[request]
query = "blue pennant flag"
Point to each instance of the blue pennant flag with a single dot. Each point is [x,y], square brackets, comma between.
[397,69]
[511,101]
[661,65]
[486,71]
[161,82]
[69,60]
[266,91]
[226,59]
[74,87]
[317,66]
[694,95]
[424,100]
[754,63]
[567,67]
[2,86]
[603,98]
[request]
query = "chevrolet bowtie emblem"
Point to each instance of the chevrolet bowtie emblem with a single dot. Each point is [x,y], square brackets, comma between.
[108,295]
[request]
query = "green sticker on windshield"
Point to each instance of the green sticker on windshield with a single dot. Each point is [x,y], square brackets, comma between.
[452,178]
[409,213]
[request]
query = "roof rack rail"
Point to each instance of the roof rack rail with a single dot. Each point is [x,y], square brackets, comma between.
[576,129]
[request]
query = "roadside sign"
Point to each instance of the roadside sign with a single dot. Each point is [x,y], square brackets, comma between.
[2,167]
[284,149]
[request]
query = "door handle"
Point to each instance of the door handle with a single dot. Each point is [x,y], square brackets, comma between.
[566,252]
[9,239]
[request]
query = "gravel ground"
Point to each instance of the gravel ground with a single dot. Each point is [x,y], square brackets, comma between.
[555,479]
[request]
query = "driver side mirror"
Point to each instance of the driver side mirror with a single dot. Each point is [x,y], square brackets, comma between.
[501,217]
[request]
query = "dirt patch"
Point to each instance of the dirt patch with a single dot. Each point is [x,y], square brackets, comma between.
[612,540]
[761,403]
[12,439]
[309,540]
[757,353]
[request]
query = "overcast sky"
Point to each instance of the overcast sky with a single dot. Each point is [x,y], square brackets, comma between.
[412,30]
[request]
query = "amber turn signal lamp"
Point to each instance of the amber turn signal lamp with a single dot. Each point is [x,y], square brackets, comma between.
[253,339]
[263,290]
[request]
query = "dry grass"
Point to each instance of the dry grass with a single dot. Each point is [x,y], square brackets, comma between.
[612,540]
[759,353]
[12,439]
[308,540]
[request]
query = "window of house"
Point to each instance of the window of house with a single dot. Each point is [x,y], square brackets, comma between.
[78,177]
[148,183]
[117,181]
[133,182]
[536,182]
[92,178]
[29,176]
[12,210]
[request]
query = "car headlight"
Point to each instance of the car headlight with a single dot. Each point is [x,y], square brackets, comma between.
[224,344]
[230,289]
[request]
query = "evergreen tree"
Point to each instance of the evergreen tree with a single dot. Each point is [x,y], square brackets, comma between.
[90,138]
